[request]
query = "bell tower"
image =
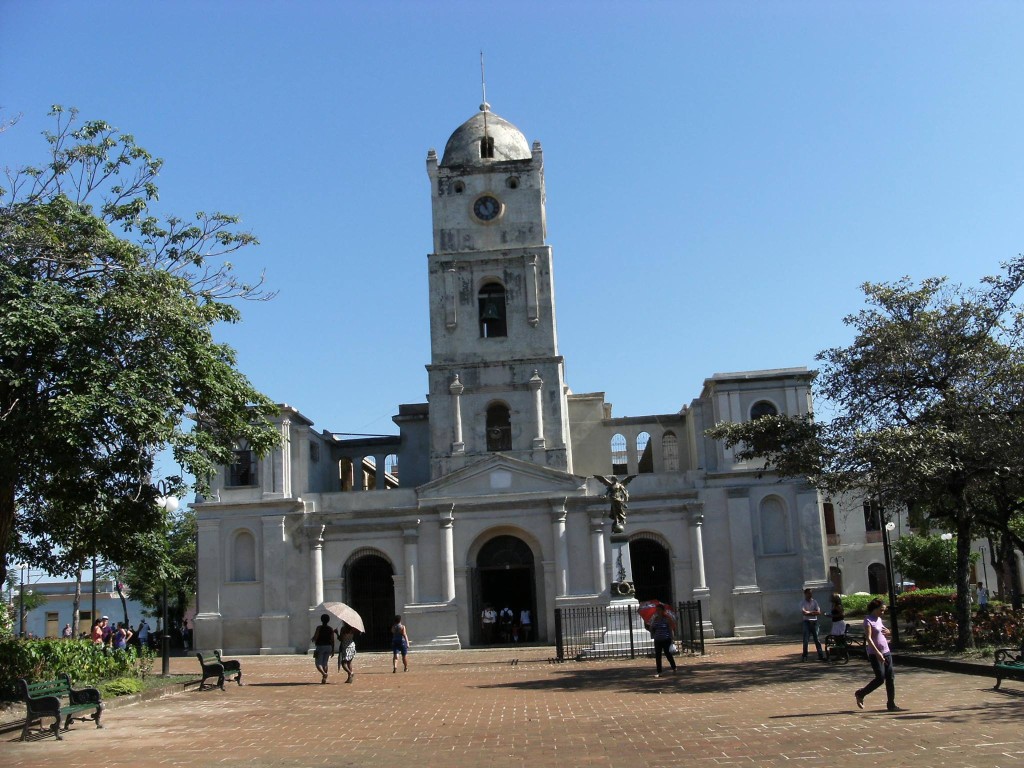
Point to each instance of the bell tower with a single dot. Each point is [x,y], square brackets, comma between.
[497,382]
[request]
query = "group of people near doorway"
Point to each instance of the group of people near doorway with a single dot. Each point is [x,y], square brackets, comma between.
[505,626]
[876,643]
[323,643]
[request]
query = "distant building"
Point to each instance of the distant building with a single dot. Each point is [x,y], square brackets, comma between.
[487,496]
[48,619]
[856,556]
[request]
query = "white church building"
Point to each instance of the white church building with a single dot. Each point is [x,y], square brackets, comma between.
[487,496]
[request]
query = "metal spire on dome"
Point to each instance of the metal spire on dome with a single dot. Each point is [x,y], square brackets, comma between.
[484,106]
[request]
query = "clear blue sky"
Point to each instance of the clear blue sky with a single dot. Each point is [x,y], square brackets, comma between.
[721,176]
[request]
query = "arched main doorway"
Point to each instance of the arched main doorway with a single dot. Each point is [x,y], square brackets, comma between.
[504,576]
[370,589]
[652,571]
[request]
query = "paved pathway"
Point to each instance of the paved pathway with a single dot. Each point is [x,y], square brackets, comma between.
[744,704]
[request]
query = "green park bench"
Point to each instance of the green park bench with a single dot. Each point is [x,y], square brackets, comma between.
[46,699]
[1009,662]
[219,668]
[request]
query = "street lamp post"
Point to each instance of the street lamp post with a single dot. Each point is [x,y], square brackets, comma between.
[169,504]
[948,538]
[21,600]
[894,612]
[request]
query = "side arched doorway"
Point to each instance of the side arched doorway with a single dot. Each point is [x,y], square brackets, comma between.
[370,589]
[878,581]
[503,577]
[652,569]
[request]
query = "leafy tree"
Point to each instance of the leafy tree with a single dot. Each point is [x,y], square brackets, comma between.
[925,401]
[106,349]
[925,560]
[174,547]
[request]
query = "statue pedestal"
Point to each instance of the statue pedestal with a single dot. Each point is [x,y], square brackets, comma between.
[622,571]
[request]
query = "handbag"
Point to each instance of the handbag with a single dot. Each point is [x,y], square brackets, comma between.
[672,648]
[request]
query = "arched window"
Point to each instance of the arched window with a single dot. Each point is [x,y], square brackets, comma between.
[763,408]
[491,306]
[391,471]
[619,460]
[345,473]
[670,451]
[242,471]
[499,428]
[243,557]
[644,453]
[774,527]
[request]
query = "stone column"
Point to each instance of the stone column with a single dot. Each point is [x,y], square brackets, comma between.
[317,569]
[696,525]
[700,590]
[558,535]
[410,537]
[456,389]
[210,562]
[597,554]
[286,458]
[536,382]
[746,595]
[532,313]
[447,518]
[274,618]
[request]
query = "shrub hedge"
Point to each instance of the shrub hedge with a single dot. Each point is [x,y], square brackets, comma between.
[49,659]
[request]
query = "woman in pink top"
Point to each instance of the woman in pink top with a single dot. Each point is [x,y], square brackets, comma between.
[876,641]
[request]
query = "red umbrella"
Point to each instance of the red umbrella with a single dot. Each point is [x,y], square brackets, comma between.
[649,608]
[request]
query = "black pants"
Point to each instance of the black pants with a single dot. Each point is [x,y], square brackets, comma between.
[883,674]
[660,647]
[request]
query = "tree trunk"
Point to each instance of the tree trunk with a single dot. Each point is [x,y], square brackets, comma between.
[1009,584]
[7,508]
[965,633]
[77,604]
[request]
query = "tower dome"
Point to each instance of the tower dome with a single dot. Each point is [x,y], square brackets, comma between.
[467,146]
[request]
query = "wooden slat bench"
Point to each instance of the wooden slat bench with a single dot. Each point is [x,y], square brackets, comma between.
[46,699]
[1009,662]
[219,668]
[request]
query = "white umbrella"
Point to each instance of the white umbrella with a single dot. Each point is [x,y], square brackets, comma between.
[341,612]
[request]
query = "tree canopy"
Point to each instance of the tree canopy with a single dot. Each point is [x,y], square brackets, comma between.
[926,402]
[107,354]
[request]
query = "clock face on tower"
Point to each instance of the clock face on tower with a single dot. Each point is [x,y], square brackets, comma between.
[486,208]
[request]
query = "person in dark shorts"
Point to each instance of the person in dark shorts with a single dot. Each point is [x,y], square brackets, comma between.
[399,645]
[323,646]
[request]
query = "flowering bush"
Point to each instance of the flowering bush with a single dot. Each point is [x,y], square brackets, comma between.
[997,628]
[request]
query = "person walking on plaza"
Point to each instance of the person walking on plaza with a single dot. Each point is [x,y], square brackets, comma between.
[876,641]
[525,624]
[811,611]
[323,646]
[66,633]
[399,645]
[346,650]
[663,630]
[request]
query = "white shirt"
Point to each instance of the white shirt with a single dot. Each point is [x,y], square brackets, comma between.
[524,617]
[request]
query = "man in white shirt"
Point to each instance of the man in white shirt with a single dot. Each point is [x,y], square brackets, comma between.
[811,611]
[488,619]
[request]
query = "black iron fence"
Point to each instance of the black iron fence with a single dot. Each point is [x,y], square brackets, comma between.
[604,632]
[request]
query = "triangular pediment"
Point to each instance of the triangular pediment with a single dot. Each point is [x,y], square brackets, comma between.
[500,475]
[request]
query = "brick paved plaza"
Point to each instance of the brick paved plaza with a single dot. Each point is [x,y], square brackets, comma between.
[744,704]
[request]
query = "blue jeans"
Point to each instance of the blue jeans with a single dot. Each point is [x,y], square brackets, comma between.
[811,633]
[883,674]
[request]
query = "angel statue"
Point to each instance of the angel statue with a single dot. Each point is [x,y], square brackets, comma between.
[619,498]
